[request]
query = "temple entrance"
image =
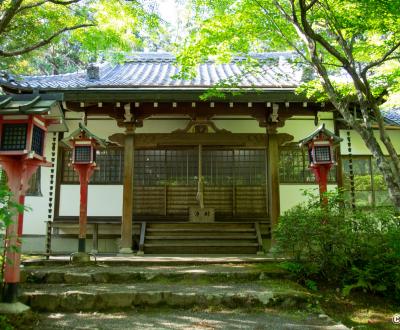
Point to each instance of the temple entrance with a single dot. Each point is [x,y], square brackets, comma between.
[234,182]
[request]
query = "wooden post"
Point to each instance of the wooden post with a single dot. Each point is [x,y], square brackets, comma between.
[84,171]
[321,173]
[19,171]
[273,178]
[84,182]
[200,183]
[127,201]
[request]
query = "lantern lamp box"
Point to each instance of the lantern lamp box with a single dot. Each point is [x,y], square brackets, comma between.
[84,145]
[24,124]
[320,145]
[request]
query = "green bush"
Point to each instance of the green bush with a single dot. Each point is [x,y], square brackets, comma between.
[353,249]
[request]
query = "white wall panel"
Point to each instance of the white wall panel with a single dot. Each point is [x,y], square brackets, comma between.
[103,200]
[292,195]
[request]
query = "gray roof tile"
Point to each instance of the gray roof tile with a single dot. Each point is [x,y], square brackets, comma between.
[158,70]
[392,116]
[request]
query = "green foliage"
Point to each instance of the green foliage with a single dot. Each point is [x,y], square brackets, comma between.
[354,250]
[93,29]
[4,323]
[347,52]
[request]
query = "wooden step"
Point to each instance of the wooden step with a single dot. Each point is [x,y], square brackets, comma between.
[192,237]
[162,237]
[195,244]
[203,230]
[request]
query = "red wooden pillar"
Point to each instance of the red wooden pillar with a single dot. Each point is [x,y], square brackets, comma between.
[321,172]
[19,170]
[84,171]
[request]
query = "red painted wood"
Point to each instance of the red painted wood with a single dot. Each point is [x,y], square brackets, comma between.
[19,170]
[84,171]
[321,172]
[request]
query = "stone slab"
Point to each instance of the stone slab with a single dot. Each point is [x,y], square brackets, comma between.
[13,308]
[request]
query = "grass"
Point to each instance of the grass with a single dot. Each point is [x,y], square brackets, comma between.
[360,310]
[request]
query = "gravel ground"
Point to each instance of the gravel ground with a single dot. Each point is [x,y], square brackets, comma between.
[183,319]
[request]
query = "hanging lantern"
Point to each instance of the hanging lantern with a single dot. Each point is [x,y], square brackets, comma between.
[321,146]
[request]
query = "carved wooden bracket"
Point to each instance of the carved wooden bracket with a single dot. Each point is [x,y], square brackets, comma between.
[201,126]
[284,138]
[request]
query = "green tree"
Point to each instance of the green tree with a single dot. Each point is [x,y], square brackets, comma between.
[352,47]
[89,28]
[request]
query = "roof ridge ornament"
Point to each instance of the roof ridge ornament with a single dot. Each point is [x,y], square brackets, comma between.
[93,72]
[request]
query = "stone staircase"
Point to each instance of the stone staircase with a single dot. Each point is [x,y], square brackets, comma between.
[105,287]
[201,238]
[64,293]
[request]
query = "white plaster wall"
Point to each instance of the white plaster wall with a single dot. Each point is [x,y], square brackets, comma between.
[300,127]
[161,126]
[103,200]
[103,127]
[291,195]
[245,125]
[358,146]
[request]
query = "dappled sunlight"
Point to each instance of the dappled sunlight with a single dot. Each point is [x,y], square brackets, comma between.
[185,320]
[56,316]
[190,271]
[368,316]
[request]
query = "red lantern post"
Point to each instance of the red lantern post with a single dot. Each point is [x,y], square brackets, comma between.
[320,145]
[84,145]
[23,129]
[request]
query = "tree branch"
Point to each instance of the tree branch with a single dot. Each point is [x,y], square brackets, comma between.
[311,4]
[43,42]
[384,58]
[40,3]
[9,14]
[279,30]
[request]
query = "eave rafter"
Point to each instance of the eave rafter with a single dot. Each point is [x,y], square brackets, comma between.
[261,111]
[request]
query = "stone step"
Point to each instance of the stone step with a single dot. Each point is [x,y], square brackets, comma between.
[163,259]
[108,297]
[126,274]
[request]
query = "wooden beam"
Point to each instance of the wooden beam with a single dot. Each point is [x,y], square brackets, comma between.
[198,109]
[153,140]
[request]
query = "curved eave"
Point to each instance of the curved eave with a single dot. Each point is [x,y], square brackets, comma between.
[168,94]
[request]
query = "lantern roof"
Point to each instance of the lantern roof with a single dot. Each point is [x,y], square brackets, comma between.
[43,105]
[322,130]
[78,132]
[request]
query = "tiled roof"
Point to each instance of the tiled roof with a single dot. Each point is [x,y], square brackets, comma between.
[157,70]
[392,116]
[44,105]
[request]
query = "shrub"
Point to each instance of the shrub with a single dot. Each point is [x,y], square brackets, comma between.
[353,249]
